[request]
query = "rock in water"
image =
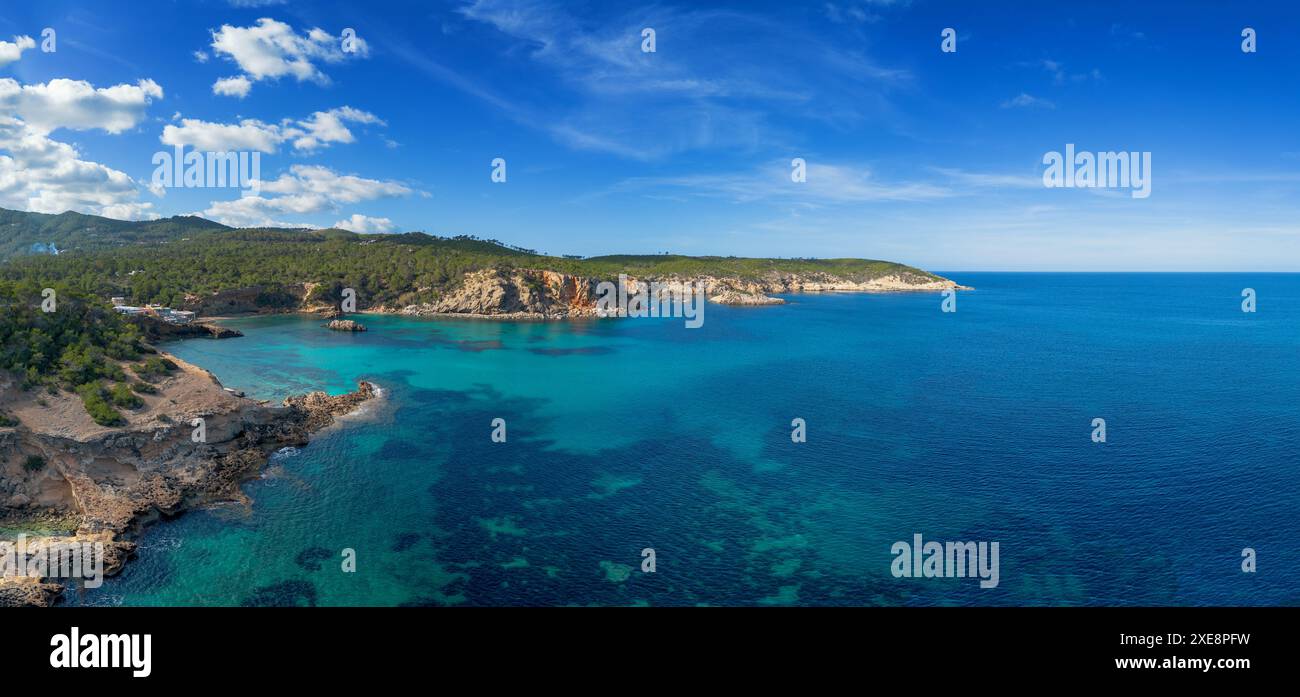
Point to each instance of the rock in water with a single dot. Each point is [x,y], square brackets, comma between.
[346,325]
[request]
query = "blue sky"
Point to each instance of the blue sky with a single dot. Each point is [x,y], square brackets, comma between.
[915,155]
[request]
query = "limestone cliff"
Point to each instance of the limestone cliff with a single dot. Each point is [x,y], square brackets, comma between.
[532,293]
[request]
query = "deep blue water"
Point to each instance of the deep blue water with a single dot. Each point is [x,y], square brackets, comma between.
[628,434]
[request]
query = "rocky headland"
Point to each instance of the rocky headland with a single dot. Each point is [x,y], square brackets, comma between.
[155,330]
[540,294]
[103,484]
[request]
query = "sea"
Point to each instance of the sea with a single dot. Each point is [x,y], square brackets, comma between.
[774,456]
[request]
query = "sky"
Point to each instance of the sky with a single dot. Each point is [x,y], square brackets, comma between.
[386,116]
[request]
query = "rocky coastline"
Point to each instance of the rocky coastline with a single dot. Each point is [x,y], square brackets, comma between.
[104,484]
[521,294]
[539,294]
[155,330]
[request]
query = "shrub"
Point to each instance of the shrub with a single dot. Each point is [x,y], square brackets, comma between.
[144,388]
[34,463]
[122,396]
[92,396]
[153,367]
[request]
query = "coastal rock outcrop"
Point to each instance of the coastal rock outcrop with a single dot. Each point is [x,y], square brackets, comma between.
[516,293]
[158,330]
[193,442]
[503,293]
[730,296]
[346,325]
[320,408]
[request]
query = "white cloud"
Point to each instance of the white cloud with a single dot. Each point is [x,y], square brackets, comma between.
[320,129]
[1060,75]
[201,56]
[12,51]
[248,134]
[858,12]
[46,176]
[365,223]
[1024,100]
[826,184]
[237,86]
[327,127]
[320,181]
[305,190]
[76,104]
[271,50]
[996,180]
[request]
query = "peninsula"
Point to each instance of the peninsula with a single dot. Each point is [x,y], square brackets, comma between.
[199,266]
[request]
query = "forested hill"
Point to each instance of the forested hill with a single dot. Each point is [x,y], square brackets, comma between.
[164,261]
[41,233]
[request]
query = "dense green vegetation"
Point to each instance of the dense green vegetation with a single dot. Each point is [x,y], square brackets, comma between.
[76,347]
[153,368]
[95,397]
[34,463]
[67,347]
[384,269]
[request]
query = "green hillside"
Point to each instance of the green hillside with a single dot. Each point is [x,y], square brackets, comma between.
[163,261]
[71,231]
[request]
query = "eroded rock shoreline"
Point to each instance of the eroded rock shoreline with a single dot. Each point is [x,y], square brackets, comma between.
[513,294]
[538,294]
[104,484]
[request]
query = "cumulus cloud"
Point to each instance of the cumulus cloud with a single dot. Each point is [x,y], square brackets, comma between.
[77,104]
[304,190]
[46,176]
[249,134]
[237,86]
[320,181]
[12,51]
[271,50]
[327,127]
[321,129]
[365,223]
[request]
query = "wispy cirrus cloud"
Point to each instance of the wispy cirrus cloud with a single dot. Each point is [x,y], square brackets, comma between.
[1061,76]
[1026,101]
[687,95]
[826,184]
[860,11]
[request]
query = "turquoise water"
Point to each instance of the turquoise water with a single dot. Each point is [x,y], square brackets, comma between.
[632,434]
